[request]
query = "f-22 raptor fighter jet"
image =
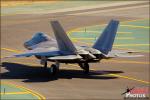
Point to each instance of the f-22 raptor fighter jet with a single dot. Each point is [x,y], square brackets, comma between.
[62,50]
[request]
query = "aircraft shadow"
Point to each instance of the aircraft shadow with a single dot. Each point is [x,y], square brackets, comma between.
[39,74]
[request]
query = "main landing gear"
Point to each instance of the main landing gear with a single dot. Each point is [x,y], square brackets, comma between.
[45,65]
[85,67]
[54,69]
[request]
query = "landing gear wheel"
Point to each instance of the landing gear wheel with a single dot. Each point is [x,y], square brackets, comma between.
[54,69]
[45,65]
[86,68]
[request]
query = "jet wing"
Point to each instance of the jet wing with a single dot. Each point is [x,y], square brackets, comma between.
[128,55]
[122,53]
[38,52]
[46,44]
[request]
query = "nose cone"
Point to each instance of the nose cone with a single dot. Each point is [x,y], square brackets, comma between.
[26,45]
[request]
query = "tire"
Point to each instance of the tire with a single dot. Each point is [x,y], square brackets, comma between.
[54,69]
[45,65]
[86,68]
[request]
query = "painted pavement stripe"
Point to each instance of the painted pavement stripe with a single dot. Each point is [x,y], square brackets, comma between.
[10,93]
[135,20]
[126,61]
[120,76]
[134,26]
[11,50]
[146,51]
[118,45]
[115,45]
[99,32]
[130,78]
[77,29]
[119,38]
[39,96]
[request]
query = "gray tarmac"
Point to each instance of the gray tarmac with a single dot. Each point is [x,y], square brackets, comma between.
[107,80]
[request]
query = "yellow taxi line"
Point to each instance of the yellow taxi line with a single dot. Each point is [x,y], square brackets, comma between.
[11,50]
[134,26]
[115,45]
[119,38]
[131,49]
[75,40]
[134,20]
[124,32]
[39,96]
[100,32]
[120,76]
[118,45]
[13,3]
[126,61]
[130,78]
[125,38]
[8,93]
[76,29]
[90,44]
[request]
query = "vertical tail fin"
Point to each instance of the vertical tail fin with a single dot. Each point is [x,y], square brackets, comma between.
[63,41]
[105,42]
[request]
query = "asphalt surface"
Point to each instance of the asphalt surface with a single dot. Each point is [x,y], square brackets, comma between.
[107,80]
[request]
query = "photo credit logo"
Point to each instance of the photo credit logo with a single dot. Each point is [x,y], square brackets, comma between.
[139,93]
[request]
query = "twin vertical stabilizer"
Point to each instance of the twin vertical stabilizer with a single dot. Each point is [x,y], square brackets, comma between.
[105,42]
[63,41]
